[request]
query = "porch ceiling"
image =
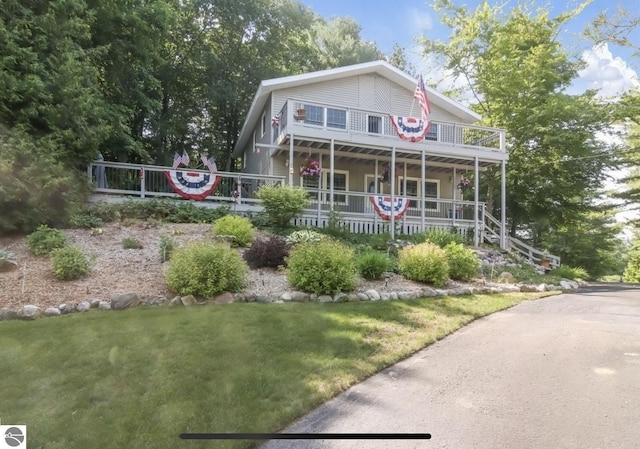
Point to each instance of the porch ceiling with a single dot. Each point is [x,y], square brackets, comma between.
[368,155]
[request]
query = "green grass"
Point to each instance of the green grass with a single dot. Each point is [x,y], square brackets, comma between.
[139,378]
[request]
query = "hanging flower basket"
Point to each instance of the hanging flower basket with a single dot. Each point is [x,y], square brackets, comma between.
[464,185]
[310,169]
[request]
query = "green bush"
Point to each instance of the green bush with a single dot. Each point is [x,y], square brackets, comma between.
[282,203]
[572,273]
[443,237]
[84,220]
[169,211]
[425,262]
[35,188]
[45,239]
[267,253]
[324,267]
[463,262]
[131,243]
[167,247]
[305,235]
[7,258]
[373,264]
[239,227]
[205,269]
[69,263]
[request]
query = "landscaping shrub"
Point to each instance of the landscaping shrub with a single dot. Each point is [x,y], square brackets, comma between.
[282,203]
[131,243]
[167,246]
[45,239]
[425,262]
[304,235]
[324,267]
[239,227]
[7,258]
[85,220]
[463,262]
[267,253]
[69,263]
[169,211]
[572,273]
[373,264]
[443,237]
[205,269]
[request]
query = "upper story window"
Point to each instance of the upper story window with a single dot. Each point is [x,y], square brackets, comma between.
[374,124]
[432,133]
[313,115]
[336,118]
[263,125]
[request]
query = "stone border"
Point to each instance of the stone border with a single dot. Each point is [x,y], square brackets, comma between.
[129,300]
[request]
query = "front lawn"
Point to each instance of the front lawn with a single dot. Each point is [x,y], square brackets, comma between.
[138,378]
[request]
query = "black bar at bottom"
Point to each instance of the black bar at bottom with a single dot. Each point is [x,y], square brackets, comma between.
[305,436]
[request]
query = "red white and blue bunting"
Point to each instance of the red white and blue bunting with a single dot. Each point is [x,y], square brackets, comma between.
[192,185]
[410,128]
[384,208]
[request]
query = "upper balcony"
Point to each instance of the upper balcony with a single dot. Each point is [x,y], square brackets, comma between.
[361,127]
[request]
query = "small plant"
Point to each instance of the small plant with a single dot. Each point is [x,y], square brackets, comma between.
[267,253]
[167,246]
[205,269]
[131,243]
[177,232]
[85,220]
[282,203]
[324,267]
[443,237]
[463,262]
[425,262]
[69,263]
[572,273]
[7,258]
[239,227]
[373,264]
[45,239]
[305,235]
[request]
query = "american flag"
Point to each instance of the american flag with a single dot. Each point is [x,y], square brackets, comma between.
[209,163]
[275,121]
[177,160]
[185,158]
[421,95]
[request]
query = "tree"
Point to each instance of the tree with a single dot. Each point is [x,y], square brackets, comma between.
[398,58]
[517,73]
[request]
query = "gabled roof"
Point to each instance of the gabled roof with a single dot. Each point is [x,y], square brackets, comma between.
[381,68]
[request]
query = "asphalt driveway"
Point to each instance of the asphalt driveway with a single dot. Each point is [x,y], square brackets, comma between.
[559,372]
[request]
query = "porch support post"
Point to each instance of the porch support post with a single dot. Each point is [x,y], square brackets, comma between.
[453,196]
[332,167]
[291,160]
[422,184]
[318,203]
[503,207]
[404,189]
[476,222]
[392,222]
[376,192]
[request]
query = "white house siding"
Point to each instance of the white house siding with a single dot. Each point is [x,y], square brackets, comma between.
[343,92]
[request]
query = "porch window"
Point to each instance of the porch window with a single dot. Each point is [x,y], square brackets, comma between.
[431,190]
[336,118]
[340,184]
[432,134]
[311,183]
[313,115]
[374,124]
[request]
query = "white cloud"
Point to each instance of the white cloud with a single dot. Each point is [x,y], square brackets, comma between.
[420,22]
[610,76]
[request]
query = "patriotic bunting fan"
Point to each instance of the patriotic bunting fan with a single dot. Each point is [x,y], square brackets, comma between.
[192,185]
[384,208]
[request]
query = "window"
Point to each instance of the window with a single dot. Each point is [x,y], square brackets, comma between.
[263,123]
[340,184]
[313,115]
[310,183]
[336,118]
[432,134]
[431,190]
[374,124]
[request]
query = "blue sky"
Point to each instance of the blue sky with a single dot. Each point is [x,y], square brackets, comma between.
[610,69]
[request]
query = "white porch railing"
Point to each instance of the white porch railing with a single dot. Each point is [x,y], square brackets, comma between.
[374,123]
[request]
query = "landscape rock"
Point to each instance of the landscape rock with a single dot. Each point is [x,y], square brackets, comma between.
[441,292]
[300,297]
[30,312]
[506,277]
[52,311]
[407,295]
[363,296]
[325,298]
[340,297]
[353,297]
[393,296]
[177,301]
[373,295]
[188,300]
[84,306]
[125,301]
[224,298]
[264,299]
[541,288]
[7,314]
[574,285]
[104,305]
[94,303]
[286,297]
[428,292]
[157,300]
[565,285]
[384,296]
